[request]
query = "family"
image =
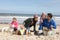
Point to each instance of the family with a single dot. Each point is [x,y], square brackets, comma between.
[47,25]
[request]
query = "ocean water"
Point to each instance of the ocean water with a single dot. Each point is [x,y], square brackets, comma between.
[20,19]
[8,19]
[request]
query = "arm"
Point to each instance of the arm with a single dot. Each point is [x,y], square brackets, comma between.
[41,27]
[53,25]
[41,20]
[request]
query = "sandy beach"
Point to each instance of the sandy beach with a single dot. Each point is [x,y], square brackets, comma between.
[42,15]
[9,36]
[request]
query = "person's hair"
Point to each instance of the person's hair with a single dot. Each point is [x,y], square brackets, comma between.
[42,14]
[14,18]
[35,16]
[50,15]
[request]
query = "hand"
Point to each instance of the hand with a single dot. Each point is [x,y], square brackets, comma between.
[46,29]
[41,21]
[12,26]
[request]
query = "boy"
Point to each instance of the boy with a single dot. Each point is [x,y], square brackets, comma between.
[47,26]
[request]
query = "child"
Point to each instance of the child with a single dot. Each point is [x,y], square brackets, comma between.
[14,24]
[43,16]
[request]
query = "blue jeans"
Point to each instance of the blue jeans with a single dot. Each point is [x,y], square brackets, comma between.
[28,29]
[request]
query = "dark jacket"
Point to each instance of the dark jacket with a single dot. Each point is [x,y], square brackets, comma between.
[28,22]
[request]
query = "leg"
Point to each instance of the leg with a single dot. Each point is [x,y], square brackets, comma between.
[27,31]
[34,27]
[35,32]
[17,32]
[50,33]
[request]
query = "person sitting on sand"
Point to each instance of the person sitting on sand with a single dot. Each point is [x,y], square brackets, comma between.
[47,26]
[14,24]
[28,23]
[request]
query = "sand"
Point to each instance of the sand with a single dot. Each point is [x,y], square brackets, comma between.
[9,36]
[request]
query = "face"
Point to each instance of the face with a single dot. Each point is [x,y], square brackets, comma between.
[36,19]
[14,20]
[48,17]
[44,16]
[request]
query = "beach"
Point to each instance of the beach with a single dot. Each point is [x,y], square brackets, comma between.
[6,20]
[9,36]
[29,19]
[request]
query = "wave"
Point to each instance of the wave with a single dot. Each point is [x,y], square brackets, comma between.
[8,19]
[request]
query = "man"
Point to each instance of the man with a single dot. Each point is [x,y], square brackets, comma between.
[29,23]
[48,25]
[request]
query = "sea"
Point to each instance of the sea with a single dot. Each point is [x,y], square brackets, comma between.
[6,18]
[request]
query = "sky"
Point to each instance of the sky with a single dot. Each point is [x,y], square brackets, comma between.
[30,6]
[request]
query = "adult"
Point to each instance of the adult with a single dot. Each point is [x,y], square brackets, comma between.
[28,23]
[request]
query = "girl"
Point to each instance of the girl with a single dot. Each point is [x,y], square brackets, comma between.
[14,24]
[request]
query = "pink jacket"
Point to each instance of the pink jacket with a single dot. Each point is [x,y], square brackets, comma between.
[15,24]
